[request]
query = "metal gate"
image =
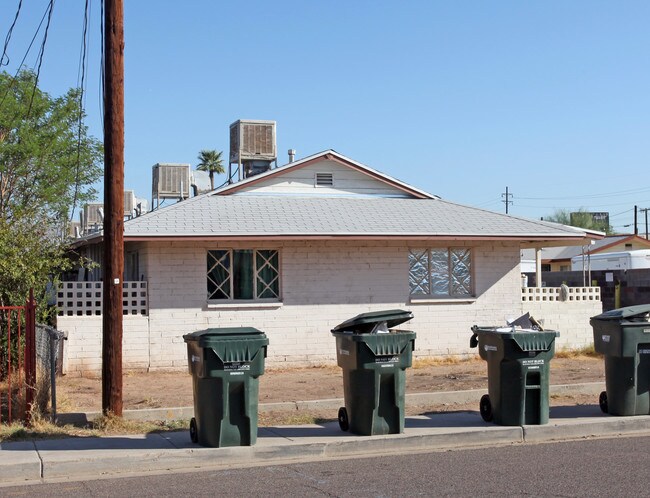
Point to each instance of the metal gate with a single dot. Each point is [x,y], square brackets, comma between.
[17,361]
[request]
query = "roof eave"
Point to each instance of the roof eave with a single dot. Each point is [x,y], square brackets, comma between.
[525,239]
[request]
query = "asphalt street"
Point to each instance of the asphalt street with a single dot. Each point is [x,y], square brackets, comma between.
[603,467]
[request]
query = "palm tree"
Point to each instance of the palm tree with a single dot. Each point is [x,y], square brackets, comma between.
[211,161]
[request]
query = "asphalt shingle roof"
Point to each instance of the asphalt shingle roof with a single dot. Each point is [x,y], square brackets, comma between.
[289,215]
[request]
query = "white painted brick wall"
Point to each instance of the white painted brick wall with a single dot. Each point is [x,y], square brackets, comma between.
[323,284]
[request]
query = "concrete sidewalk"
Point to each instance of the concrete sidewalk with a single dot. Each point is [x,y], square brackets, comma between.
[92,457]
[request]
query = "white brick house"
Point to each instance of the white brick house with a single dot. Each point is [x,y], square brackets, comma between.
[300,248]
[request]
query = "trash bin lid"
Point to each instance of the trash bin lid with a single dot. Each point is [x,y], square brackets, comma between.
[626,313]
[365,322]
[217,333]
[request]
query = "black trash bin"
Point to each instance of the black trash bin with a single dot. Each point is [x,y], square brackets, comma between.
[518,374]
[225,364]
[374,358]
[623,336]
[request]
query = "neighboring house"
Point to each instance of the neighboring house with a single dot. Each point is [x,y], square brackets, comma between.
[559,258]
[298,249]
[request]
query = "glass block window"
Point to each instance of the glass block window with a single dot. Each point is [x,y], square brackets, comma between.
[440,272]
[243,274]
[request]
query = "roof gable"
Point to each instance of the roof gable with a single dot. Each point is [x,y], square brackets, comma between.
[348,178]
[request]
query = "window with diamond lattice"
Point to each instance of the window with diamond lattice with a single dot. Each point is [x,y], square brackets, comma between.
[243,274]
[440,272]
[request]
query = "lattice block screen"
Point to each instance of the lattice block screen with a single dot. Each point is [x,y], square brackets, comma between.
[86,298]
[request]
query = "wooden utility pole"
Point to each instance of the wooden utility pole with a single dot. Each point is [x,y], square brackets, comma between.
[507,200]
[113,207]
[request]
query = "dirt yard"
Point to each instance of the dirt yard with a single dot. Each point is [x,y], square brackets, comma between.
[166,390]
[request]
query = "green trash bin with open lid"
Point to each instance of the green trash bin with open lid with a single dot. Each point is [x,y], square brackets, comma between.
[374,358]
[518,374]
[623,337]
[225,364]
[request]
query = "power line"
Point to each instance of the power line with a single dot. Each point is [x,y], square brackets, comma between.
[8,37]
[82,88]
[587,196]
[22,62]
[41,52]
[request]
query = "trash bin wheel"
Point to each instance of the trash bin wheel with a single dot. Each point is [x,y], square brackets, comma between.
[344,422]
[485,407]
[194,434]
[602,401]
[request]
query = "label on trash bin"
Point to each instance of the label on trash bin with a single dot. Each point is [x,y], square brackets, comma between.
[236,366]
[196,359]
[487,347]
[644,351]
[606,338]
[646,331]
[532,363]
[386,359]
[344,352]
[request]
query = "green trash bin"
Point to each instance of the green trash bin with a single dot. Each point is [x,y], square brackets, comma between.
[374,359]
[225,364]
[518,374]
[623,336]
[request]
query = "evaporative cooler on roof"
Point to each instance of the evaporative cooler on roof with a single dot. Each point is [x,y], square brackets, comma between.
[252,146]
[170,181]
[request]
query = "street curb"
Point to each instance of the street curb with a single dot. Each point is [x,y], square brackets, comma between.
[123,456]
[19,461]
[413,399]
[160,452]
[563,430]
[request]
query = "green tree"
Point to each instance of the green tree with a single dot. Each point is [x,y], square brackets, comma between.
[581,218]
[211,161]
[48,165]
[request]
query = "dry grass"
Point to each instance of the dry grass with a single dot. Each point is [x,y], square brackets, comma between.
[329,367]
[587,351]
[443,360]
[103,426]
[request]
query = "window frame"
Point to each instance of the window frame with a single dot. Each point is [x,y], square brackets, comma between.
[430,296]
[231,287]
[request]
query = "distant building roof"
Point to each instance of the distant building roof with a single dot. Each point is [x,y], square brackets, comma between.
[566,253]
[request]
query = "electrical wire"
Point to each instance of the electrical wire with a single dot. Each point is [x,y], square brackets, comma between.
[22,62]
[82,92]
[8,37]
[102,91]
[41,52]
[588,196]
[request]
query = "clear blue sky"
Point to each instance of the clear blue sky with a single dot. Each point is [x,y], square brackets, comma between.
[459,98]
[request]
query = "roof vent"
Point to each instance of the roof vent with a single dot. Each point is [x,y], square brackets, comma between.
[324,179]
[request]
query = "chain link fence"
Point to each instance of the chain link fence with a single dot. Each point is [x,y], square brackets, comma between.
[48,359]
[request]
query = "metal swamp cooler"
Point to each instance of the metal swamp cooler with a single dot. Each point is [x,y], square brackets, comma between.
[518,374]
[374,358]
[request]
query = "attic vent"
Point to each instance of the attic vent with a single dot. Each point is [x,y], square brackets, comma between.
[324,179]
